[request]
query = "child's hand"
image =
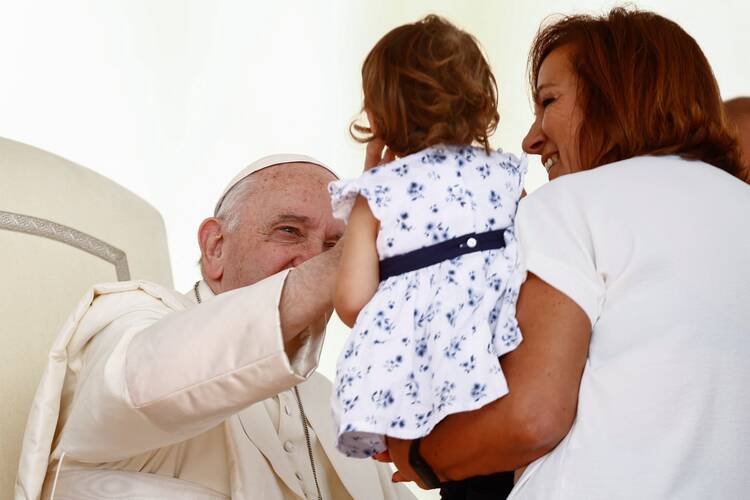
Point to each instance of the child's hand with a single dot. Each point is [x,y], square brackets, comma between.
[377,154]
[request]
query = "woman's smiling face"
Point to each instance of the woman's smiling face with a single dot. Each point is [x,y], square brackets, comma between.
[554,133]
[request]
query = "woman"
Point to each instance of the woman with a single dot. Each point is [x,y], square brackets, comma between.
[633,379]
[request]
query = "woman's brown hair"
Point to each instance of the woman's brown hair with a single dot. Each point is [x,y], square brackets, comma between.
[645,88]
[427,83]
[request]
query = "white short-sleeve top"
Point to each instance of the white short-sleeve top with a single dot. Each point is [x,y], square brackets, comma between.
[656,251]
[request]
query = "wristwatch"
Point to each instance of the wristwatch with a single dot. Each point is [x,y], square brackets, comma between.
[421,467]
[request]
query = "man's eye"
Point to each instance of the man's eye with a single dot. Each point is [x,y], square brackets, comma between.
[289,230]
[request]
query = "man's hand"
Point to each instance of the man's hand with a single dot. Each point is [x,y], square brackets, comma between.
[308,292]
[377,154]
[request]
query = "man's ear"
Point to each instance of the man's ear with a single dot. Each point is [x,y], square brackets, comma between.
[211,241]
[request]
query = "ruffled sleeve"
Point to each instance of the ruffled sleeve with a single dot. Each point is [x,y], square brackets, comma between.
[517,167]
[343,194]
[375,185]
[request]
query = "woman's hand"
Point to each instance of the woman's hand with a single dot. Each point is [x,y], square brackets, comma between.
[398,453]
[377,154]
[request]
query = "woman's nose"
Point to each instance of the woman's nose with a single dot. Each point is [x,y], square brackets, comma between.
[534,140]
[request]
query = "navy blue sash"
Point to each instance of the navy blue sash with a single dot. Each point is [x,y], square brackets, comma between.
[445,250]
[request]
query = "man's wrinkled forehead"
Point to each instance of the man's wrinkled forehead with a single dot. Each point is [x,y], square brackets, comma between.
[271,163]
[289,194]
[290,181]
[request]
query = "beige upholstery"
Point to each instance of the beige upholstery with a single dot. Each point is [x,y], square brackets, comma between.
[62,229]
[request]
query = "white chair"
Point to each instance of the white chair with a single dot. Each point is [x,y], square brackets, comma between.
[62,228]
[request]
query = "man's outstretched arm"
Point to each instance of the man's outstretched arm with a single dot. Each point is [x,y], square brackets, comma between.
[154,376]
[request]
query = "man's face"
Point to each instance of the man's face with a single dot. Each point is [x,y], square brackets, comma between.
[286,220]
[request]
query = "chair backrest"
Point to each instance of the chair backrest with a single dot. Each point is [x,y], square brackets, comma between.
[62,228]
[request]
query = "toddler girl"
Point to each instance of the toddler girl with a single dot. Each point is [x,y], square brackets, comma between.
[430,269]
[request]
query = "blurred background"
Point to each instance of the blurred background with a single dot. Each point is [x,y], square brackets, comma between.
[171,98]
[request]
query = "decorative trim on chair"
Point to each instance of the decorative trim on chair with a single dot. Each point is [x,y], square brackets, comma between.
[42,227]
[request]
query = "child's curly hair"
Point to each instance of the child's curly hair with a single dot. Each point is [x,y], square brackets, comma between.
[427,83]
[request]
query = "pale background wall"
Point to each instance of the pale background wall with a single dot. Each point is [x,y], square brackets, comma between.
[170,98]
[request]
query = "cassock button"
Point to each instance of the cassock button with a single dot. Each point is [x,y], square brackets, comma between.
[288,446]
[471,242]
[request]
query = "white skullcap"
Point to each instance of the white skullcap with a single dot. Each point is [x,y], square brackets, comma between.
[265,162]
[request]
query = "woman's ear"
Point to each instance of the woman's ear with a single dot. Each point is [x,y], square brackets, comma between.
[211,241]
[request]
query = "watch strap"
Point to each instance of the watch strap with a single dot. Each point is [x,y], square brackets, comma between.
[421,467]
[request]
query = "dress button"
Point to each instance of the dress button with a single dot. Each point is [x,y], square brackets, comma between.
[288,446]
[471,242]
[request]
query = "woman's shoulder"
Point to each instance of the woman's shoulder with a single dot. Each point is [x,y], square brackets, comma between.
[621,174]
[628,179]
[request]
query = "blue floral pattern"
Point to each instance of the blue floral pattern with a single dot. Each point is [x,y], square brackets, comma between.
[427,344]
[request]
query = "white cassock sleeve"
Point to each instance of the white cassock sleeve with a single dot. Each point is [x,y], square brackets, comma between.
[153,376]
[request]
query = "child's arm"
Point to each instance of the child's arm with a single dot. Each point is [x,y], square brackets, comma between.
[359,273]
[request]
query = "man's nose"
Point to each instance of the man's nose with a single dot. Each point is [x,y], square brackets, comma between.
[534,140]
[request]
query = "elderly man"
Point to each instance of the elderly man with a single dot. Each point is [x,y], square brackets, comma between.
[208,395]
[738,112]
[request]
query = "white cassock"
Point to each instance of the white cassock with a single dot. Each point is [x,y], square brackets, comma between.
[147,395]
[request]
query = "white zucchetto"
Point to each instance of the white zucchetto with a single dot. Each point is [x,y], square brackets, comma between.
[266,162]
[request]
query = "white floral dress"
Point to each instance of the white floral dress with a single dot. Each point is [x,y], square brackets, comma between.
[427,344]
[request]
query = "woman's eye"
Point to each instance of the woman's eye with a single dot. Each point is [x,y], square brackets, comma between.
[546,102]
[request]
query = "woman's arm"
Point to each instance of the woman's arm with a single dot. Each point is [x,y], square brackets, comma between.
[543,375]
[358,275]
